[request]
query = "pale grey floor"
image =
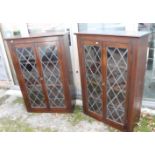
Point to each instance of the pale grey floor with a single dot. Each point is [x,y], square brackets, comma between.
[14,117]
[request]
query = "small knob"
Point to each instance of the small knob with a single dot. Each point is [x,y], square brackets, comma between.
[41,78]
[96,42]
[103,83]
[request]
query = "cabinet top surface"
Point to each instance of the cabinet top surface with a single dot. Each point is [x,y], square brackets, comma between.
[115,33]
[39,35]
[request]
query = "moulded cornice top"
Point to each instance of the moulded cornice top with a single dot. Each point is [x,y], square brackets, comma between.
[38,35]
[133,34]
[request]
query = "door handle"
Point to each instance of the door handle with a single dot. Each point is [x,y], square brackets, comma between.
[103,83]
[41,78]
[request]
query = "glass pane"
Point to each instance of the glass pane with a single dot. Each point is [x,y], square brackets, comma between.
[149,84]
[94,78]
[27,63]
[51,72]
[116,83]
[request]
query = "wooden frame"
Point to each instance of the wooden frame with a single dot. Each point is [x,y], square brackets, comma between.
[60,41]
[117,45]
[83,78]
[137,48]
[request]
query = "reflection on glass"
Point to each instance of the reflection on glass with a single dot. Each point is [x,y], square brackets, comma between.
[94,78]
[116,83]
[149,84]
[51,73]
[27,63]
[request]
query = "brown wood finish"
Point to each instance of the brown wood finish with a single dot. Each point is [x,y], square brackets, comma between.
[83,80]
[67,66]
[116,45]
[104,72]
[19,76]
[139,67]
[42,81]
[83,77]
[34,42]
[137,49]
[64,74]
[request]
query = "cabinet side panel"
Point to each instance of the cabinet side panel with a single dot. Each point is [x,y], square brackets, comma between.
[137,80]
[69,68]
[141,68]
[64,46]
[82,73]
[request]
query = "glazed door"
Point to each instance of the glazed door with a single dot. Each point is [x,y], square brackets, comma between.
[51,63]
[26,66]
[116,73]
[91,77]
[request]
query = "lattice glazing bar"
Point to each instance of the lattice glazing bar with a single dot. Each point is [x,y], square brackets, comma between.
[94,78]
[116,83]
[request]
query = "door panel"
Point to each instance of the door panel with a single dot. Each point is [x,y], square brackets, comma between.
[116,83]
[92,61]
[49,57]
[27,62]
